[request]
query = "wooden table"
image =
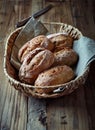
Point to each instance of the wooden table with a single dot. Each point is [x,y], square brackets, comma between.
[73,112]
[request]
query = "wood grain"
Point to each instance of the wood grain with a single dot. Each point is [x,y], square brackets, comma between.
[13,105]
[36,114]
[72,112]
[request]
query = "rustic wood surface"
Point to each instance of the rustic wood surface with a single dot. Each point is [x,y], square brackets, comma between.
[73,112]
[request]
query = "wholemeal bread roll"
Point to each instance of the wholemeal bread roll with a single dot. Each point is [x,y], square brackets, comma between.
[54,76]
[61,40]
[66,56]
[39,41]
[34,64]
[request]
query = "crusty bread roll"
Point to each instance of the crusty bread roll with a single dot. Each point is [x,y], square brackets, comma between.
[39,41]
[32,53]
[61,40]
[66,56]
[35,62]
[54,76]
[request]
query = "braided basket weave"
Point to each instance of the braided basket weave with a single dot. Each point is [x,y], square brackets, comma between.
[29,90]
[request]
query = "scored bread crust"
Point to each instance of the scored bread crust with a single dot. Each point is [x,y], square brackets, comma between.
[54,76]
[39,41]
[61,40]
[34,64]
[66,56]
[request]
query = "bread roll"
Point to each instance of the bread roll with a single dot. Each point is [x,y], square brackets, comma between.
[54,76]
[39,41]
[34,63]
[66,56]
[61,40]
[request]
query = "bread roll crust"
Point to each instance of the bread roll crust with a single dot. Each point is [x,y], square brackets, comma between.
[39,41]
[55,76]
[61,40]
[66,56]
[34,64]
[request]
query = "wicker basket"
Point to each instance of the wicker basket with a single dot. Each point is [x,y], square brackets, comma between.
[57,90]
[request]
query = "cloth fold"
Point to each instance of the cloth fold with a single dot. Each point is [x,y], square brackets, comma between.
[85,47]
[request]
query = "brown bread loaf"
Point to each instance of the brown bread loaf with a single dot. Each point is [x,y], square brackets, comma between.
[54,76]
[39,41]
[34,64]
[61,40]
[66,56]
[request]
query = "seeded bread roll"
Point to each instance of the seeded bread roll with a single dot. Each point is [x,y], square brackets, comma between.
[61,40]
[66,56]
[34,64]
[39,41]
[54,76]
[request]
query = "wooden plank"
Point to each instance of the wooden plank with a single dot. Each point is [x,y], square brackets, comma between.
[68,113]
[36,6]
[59,15]
[90,96]
[36,107]
[36,114]
[13,104]
[83,17]
[19,115]
[2,76]
[14,114]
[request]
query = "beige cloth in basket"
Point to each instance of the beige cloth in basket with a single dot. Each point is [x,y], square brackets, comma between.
[85,47]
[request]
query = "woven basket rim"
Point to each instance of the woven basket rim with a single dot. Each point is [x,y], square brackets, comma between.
[44,95]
